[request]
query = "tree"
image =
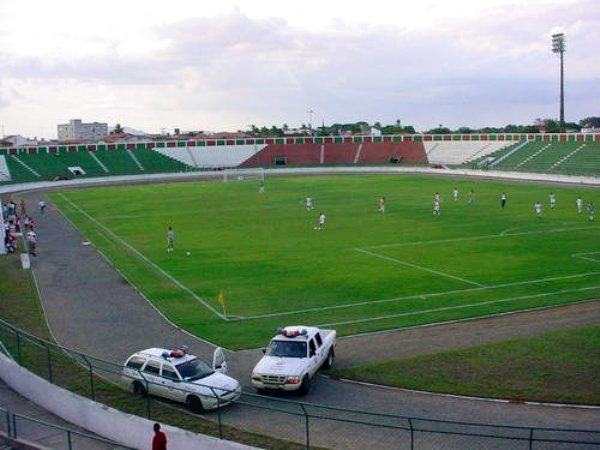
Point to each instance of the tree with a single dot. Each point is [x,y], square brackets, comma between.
[118,129]
[590,122]
[552,126]
[440,130]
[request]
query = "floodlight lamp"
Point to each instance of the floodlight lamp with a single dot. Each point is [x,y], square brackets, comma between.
[558,43]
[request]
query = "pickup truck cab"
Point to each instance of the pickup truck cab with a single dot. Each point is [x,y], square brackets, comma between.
[293,357]
[179,376]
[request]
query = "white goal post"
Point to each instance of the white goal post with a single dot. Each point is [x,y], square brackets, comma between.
[253,174]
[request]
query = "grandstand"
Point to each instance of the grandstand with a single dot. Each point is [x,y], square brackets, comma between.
[571,158]
[211,157]
[572,154]
[59,163]
[459,152]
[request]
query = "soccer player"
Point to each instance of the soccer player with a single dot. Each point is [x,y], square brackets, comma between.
[590,211]
[170,240]
[309,203]
[436,206]
[455,194]
[261,188]
[471,199]
[538,208]
[579,203]
[503,200]
[381,208]
[320,221]
[552,200]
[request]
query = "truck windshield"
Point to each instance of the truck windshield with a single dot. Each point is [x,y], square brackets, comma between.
[194,370]
[287,349]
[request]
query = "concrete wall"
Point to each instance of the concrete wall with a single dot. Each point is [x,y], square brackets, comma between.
[218,176]
[125,429]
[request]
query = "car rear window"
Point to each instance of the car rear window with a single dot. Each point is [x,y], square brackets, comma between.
[152,367]
[135,362]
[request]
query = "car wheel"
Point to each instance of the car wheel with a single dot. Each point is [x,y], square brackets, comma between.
[194,404]
[139,389]
[305,386]
[329,360]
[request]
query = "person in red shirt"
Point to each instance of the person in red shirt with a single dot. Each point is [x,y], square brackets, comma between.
[159,441]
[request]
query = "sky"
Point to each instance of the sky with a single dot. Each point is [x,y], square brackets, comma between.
[224,66]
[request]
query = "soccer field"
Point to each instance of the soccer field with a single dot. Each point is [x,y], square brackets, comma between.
[364,271]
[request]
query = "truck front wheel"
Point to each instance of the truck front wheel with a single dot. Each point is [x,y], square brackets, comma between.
[305,386]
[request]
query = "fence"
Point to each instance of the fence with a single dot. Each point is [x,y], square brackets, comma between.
[281,422]
[34,431]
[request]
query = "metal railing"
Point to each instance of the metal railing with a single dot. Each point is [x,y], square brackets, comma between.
[302,424]
[49,435]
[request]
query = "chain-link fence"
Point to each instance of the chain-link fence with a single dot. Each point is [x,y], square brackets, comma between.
[291,424]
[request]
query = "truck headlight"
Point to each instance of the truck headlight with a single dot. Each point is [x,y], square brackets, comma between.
[255,376]
[293,380]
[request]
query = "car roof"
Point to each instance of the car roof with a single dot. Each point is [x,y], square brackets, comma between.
[157,353]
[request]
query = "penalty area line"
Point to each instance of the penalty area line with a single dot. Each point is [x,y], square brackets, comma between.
[453,308]
[505,233]
[164,273]
[410,297]
[585,256]
[415,266]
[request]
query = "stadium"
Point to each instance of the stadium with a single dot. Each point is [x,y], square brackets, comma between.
[248,259]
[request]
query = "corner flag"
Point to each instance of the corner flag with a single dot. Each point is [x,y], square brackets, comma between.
[221,300]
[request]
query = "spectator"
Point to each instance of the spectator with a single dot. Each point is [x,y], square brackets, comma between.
[31,243]
[159,441]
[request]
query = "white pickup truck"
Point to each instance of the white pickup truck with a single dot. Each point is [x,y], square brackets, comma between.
[293,357]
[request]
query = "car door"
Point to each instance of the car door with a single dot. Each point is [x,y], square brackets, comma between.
[219,362]
[320,349]
[313,357]
[155,383]
[173,387]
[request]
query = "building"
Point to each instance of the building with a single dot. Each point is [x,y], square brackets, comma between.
[77,130]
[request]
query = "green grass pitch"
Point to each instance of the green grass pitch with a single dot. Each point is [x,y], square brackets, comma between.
[363,272]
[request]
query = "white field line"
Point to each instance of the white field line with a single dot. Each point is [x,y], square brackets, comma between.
[414,297]
[167,275]
[584,256]
[415,266]
[505,233]
[451,308]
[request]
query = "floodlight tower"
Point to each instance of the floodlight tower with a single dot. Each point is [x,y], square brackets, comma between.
[310,119]
[558,46]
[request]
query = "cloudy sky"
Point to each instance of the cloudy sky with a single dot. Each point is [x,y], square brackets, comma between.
[225,65]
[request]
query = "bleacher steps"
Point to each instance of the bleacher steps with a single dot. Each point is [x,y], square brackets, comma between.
[432,149]
[4,170]
[192,158]
[477,154]
[533,155]
[514,150]
[569,155]
[26,166]
[358,151]
[135,160]
[100,163]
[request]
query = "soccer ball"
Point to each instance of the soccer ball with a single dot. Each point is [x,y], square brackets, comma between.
[187,253]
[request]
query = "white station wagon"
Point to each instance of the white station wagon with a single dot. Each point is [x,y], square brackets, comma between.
[179,376]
